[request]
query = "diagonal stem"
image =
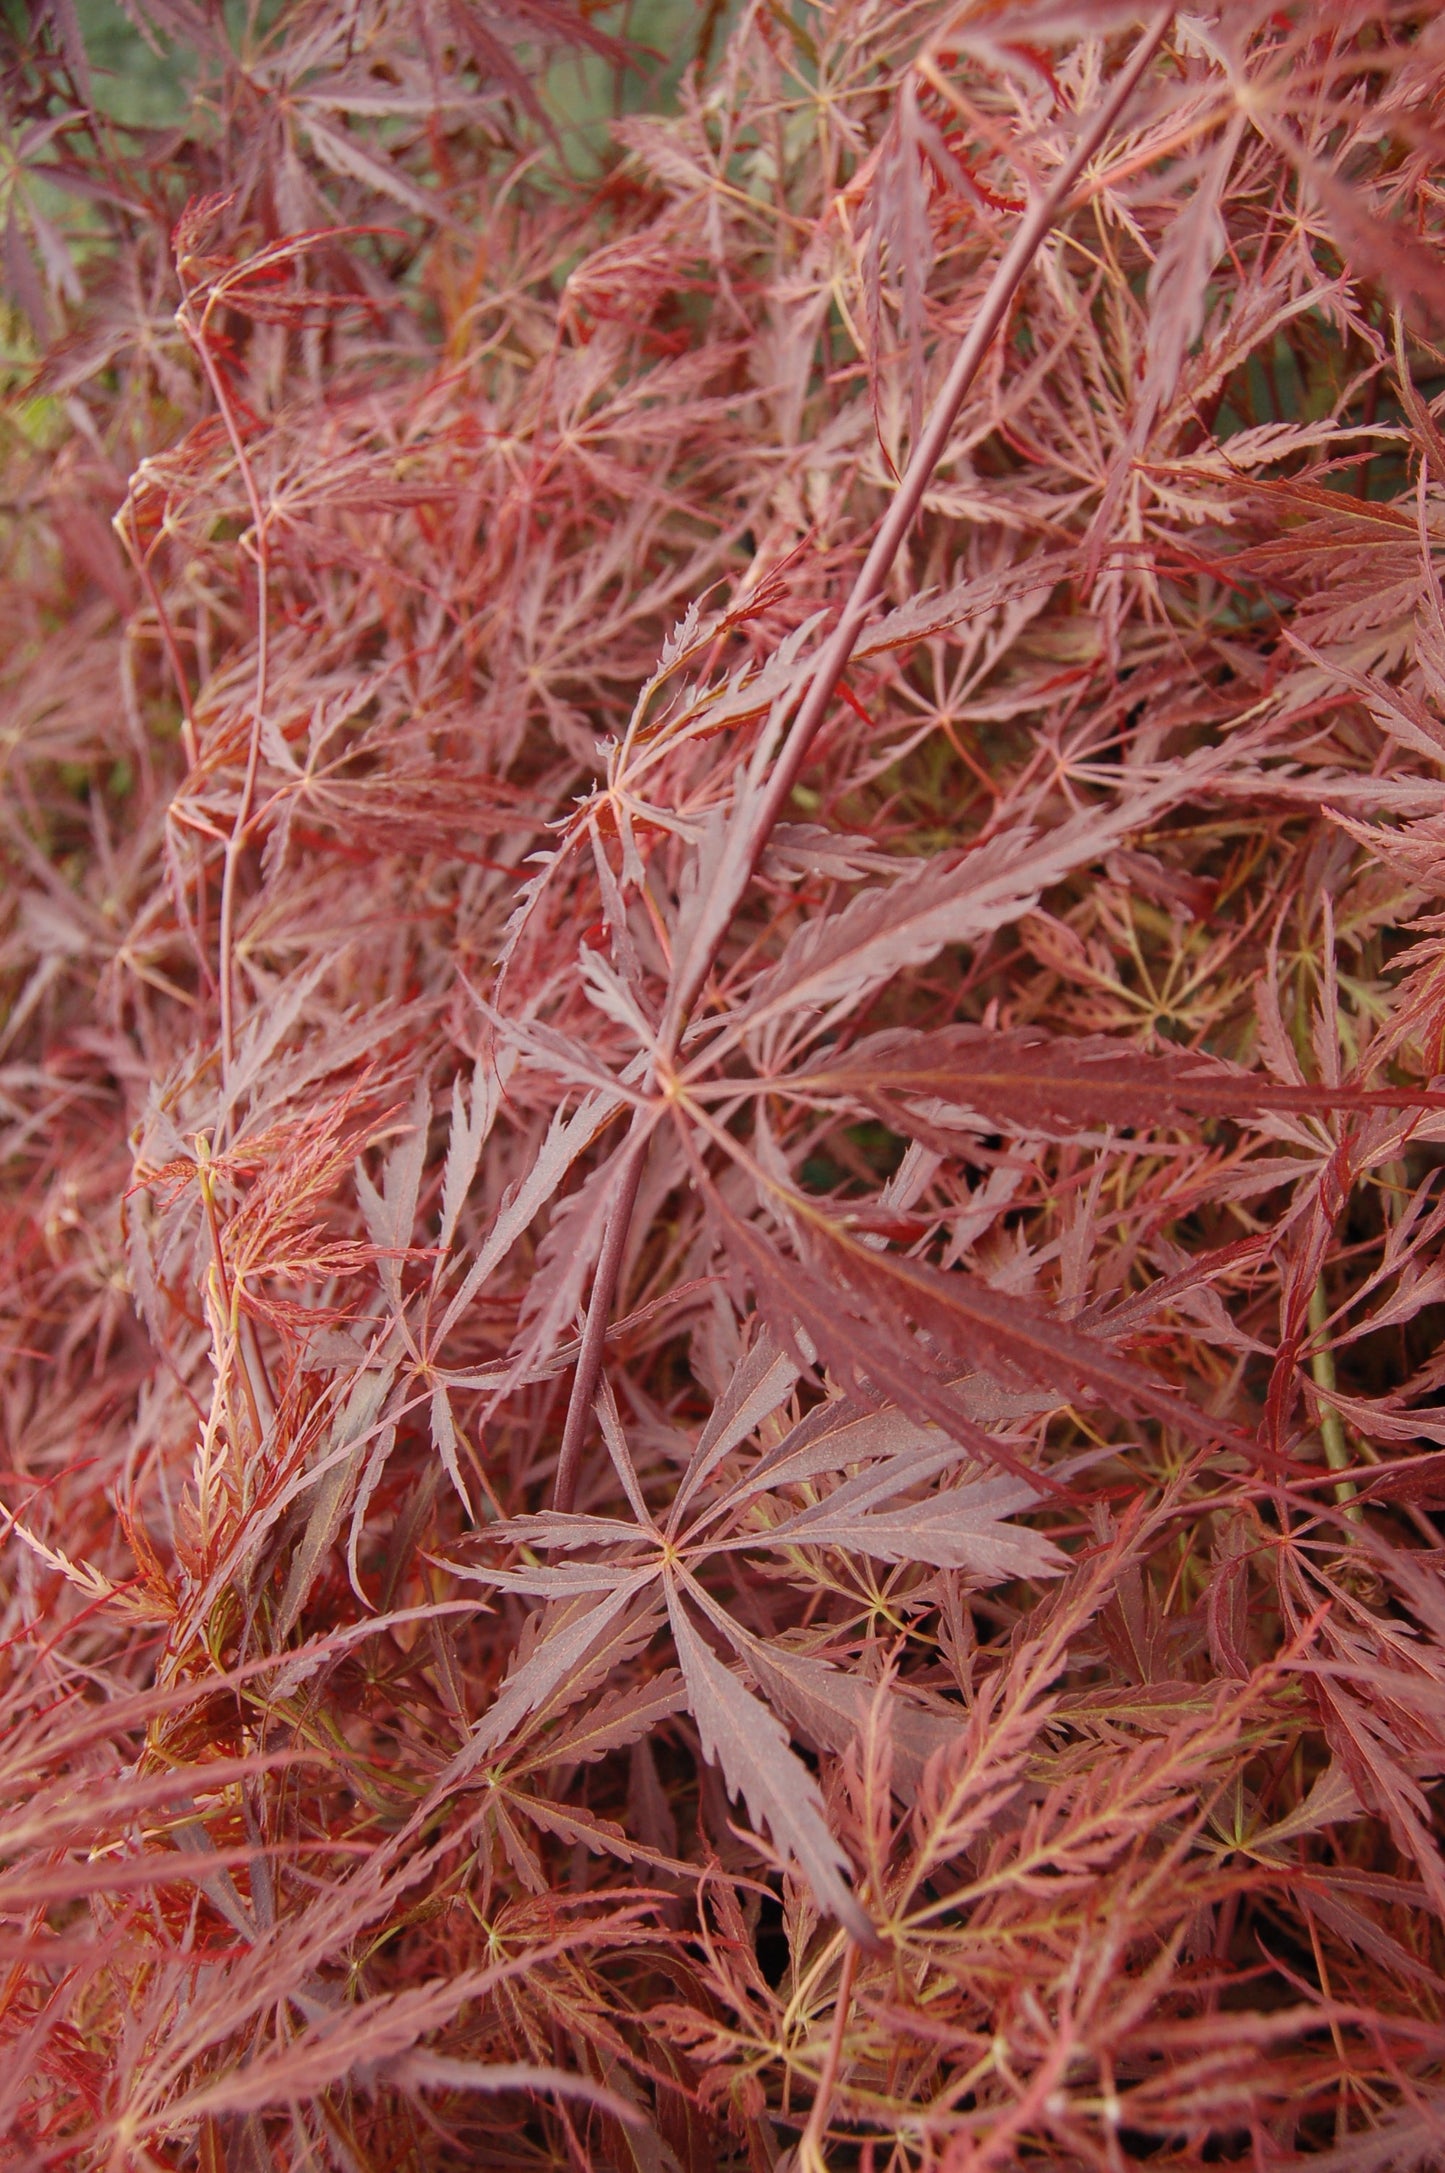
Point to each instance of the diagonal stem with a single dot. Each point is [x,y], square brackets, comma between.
[199,336]
[1013,267]
[810,2149]
[594,1333]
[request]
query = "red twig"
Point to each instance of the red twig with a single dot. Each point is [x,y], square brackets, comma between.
[810,2148]
[1013,266]
[198,335]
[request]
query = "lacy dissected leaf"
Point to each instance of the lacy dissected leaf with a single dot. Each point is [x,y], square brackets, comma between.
[761,1382]
[1030,1081]
[832,1706]
[836,960]
[864,1310]
[567,1137]
[557,1663]
[961,1527]
[949,1195]
[934,613]
[759,1765]
[877,1357]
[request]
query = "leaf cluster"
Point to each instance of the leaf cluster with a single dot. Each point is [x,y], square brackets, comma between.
[702,1472]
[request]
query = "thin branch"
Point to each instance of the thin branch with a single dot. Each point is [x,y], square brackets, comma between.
[198,336]
[594,1333]
[810,2148]
[1013,268]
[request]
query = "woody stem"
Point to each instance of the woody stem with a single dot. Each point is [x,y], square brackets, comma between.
[1013,266]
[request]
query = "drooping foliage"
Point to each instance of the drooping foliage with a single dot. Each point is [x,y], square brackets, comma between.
[721,1393]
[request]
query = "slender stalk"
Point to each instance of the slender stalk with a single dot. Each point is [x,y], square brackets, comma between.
[1013,266]
[198,335]
[1322,1373]
[227,1307]
[140,559]
[594,1332]
[810,2148]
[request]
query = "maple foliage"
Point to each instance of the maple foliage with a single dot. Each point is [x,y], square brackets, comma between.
[723,1079]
